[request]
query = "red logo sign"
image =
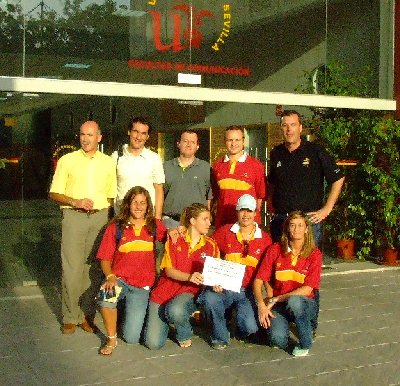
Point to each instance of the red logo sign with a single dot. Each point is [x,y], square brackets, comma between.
[186,28]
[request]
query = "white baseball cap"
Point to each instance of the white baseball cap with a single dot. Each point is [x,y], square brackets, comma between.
[247,201]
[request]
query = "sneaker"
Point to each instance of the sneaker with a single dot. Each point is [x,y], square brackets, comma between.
[247,339]
[300,352]
[197,317]
[219,345]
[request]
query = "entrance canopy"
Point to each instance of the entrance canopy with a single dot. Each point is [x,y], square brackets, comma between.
[193,93]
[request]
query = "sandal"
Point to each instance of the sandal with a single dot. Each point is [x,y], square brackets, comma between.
[185,344]
[108,349]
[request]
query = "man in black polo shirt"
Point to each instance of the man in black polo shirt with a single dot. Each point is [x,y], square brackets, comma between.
[297,174]
[296,182]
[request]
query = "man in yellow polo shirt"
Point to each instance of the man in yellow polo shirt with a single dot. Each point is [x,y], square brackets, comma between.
[84,185]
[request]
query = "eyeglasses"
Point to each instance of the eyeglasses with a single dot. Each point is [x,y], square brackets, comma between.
[245,251]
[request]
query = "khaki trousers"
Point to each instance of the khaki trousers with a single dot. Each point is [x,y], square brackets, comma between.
[81,274]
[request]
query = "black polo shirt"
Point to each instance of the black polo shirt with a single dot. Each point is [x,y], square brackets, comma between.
[298,176]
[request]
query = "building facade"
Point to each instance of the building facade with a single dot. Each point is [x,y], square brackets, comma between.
[191,63]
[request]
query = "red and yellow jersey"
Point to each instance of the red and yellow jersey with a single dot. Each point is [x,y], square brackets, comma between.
[183,258]
[232,247]
[286,272]
[232,179]
[133,260]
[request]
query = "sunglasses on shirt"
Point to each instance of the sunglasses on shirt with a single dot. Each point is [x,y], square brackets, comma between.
[245,251]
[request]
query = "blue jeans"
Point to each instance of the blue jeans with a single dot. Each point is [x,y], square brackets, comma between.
[297,309]
[177,311]
[215,304]
[318,234]
[136,301]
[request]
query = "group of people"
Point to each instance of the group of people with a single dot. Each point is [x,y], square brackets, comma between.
[171,203]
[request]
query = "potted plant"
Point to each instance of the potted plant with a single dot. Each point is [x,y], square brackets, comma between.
[343,221]
[369,206]
[345,244]
[382,171]
[335,134]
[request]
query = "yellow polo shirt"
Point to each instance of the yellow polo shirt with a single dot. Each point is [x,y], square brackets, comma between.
[79,176]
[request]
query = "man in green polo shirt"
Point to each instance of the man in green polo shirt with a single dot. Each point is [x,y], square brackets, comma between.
[187,180]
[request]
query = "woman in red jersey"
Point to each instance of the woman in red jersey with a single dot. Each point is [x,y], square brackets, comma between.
[291,273]
[173,298]
[127,259]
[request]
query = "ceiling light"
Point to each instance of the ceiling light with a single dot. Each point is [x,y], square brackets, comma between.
[77,65]
[129,13]
[191,103]
[30,95]
[189,78]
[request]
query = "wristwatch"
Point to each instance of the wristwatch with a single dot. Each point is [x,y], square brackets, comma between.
[272,301]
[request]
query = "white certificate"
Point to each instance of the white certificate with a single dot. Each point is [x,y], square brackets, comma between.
[224,273]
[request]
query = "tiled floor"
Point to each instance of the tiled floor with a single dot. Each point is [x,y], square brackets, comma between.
[358,343]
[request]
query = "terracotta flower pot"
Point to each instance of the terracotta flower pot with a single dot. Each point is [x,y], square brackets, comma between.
[390,256]
[345,249]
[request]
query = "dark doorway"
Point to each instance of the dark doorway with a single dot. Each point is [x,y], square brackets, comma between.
[36,157]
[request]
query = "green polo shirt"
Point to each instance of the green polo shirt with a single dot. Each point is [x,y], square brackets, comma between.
[185,186]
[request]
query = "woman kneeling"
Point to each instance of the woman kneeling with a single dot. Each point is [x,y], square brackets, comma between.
[290,272]
[127,259]
[172,300]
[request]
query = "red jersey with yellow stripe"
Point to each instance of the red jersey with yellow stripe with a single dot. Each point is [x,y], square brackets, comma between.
[134,259]
[232,179]
[180,256]
[286,272]
[230,242]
